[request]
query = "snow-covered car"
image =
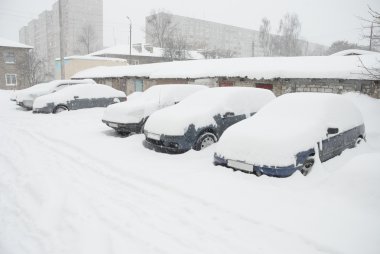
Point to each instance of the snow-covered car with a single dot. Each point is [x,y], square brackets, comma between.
[26,97]
[290,133]
[199,120]
[130,116]
[78,97]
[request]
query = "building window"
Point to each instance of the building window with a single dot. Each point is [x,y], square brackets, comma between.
[11,79]
[9,57]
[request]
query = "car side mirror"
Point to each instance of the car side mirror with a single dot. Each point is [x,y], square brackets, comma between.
[76,97]
[331,131]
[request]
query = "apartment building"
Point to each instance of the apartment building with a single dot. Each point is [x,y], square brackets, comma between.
[78,16]
[203,34]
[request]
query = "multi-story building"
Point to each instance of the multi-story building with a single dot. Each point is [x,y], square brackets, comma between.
[12,64]
[80,17]
[207,35]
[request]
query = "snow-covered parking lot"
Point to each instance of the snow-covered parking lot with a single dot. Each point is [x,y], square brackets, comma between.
[68,184]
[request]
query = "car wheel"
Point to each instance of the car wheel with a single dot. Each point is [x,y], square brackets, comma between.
[358,141]
[307,166]
[205,140]
[124,133]
[60,109]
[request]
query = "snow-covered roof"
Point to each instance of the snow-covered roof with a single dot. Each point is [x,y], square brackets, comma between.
[354,52]
[123,49]
[13,44]
[88,57]
[339,67]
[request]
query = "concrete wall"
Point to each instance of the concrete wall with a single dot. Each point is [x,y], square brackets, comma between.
[73,66]
[13,68]
[279,86]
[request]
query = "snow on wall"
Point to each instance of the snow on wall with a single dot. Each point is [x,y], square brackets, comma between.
[339,67]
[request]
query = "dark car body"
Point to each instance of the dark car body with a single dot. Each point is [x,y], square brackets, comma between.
[218,112]
[324,129]
[78,97]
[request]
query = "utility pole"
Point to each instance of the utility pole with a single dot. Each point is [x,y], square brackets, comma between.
[370,37]
[130,36]
[61,43]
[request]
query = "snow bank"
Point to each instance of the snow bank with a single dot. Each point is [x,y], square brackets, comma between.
[154,98]
[83,91]
[200,108]
[339,67]
[350,52]
[288,125]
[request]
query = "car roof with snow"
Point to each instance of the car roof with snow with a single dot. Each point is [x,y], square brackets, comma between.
[290,124]
[200,108]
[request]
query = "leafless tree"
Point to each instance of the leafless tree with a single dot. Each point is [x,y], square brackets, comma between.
[265,37]
[288,36]
[160,28]
[371,29]
[33,68]
[176,48]
[87,37]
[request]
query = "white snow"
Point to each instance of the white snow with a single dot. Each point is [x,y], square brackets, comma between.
[13,44]
[339,67]
[123,49]
[83,91]
[200,108]
[68,185]
[286,126]
[154,98]
[95,58]
[350,52]
[45,88]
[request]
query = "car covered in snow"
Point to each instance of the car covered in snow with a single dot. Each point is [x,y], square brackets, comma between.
[199,120]
[78,97]
[290,133]
[130,116]
[26,97]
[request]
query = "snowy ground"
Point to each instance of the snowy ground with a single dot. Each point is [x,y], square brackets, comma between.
[68,184]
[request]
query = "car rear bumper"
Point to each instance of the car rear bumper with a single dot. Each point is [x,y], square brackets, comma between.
[252,169]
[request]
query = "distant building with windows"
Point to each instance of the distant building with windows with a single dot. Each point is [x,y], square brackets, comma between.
[208,35]
[78,16]
[12,59]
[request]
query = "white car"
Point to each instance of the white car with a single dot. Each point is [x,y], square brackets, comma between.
[130,116]
[199,120]
[26,97]
[290,133]
[78,97]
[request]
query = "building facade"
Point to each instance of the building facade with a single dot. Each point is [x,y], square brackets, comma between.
[12,63]
[78,17]
[208,35]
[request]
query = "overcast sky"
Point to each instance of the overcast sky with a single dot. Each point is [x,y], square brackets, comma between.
[323,21]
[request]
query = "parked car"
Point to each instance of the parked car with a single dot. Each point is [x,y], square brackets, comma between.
[290,133]
[26,97]
[199,120]
[130,116]
[78,97]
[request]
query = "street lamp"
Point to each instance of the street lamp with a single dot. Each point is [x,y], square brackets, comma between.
[130,36]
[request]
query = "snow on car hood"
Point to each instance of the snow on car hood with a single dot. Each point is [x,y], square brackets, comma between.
[33,92]
[200,108]
[288,125]
[130,111]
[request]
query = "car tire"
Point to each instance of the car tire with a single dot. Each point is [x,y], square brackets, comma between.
[59,109]
[307,166]
[358,141]
[205,140]
[123,133]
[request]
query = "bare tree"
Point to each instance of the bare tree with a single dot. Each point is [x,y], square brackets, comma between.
[87,37]
[160,28]
[32,68]
[289,32]
[371,29]
[176,48]
[342,45]
[265,38]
